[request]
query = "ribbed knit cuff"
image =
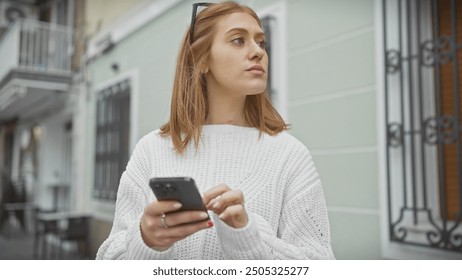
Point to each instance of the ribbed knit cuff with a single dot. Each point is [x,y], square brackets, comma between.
[138,250]
[240,243]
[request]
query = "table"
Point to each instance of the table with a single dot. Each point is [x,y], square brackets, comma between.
[65,226]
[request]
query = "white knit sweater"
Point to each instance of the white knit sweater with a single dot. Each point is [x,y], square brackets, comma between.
[282,191]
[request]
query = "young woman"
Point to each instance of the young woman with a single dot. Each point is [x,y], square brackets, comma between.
[258,182]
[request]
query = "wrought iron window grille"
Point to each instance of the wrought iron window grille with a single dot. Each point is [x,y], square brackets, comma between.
[112,134]
[419,131]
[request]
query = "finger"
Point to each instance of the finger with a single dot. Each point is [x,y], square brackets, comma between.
[214,192]
[183,217]
[233,211]
[185,230]
[226,199]
[235,216]
[163,238]
[156,208]
[212,202]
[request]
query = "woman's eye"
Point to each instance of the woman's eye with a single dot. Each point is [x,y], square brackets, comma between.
[239,41]
[262,44]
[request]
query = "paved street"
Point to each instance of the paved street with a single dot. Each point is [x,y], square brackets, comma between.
[18,246]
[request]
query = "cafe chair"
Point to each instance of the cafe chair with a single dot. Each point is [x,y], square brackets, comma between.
[76,231]
[45,233]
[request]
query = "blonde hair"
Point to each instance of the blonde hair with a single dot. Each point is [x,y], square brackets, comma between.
[189,105]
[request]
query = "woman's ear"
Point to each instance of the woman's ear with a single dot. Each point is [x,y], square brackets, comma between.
[206,70]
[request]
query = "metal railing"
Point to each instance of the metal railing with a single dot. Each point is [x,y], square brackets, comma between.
[424,143]
[36,46]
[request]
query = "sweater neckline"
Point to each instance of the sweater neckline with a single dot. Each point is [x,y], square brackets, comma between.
[226,128]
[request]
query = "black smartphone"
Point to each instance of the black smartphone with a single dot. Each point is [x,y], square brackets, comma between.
[181,189]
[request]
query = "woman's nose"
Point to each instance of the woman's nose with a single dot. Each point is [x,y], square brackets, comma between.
[256,51]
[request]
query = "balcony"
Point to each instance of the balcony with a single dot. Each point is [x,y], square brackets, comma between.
[35,72]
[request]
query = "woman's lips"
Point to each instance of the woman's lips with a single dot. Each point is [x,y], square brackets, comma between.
[256,69]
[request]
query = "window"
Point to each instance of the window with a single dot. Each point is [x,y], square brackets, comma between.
[267,22]
[423,69]
[112,138]
[274,26]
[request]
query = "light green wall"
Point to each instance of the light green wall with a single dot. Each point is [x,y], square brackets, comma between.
[150,51]
[332,108]
[332,101]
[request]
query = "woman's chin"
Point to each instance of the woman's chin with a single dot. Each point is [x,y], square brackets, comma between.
[256,90]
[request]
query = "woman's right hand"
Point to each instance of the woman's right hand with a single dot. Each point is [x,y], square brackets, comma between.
[178,225]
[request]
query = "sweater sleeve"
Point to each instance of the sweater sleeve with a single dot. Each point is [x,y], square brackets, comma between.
[125,241]
[303,231]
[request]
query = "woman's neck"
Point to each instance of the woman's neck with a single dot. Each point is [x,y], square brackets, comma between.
[226,110]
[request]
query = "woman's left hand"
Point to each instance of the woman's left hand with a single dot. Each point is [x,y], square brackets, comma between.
[228,204]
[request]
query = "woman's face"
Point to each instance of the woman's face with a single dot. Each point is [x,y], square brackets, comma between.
[238,63]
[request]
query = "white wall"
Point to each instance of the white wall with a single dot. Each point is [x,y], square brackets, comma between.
[51,156]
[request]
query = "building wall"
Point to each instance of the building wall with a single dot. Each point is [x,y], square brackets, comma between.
[331,102]
[100,14]
[332,108]
[150,53]
[52,161]
[332,79]
[79,35]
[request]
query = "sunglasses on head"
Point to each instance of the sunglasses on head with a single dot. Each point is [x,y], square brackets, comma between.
[193,18]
